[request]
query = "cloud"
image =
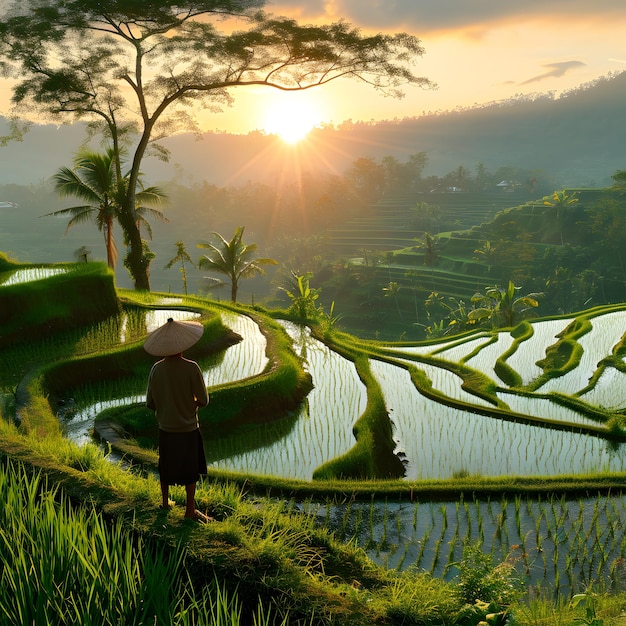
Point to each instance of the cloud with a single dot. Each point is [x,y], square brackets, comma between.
[442,15]
[555,70]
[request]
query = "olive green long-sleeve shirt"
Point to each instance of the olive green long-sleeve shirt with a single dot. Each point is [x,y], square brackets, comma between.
[175,391]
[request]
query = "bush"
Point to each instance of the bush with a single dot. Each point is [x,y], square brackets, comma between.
[480,579]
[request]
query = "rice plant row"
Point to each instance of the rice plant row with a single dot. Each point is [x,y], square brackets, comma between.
[29,275]
[323,428]
[555,543]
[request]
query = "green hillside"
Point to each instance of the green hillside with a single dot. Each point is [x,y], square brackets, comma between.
[571,254]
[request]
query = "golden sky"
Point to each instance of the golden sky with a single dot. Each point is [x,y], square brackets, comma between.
[477,51]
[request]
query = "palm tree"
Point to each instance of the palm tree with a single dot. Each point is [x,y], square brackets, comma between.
[486,252]
[430,246]
[303,297]
[181,255]
[391,290]
[501,305]
[560,200]
[234,259]
[95,181]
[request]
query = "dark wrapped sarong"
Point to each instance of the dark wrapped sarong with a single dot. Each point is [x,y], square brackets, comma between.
[181,457]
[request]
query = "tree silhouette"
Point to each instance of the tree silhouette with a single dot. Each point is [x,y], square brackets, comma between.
[234,259]
[391,291]
[619,180]
[134,70]
[486,253]
[560,200]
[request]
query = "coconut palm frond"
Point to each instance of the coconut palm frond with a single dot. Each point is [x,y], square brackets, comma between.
[153,213]
[151,195]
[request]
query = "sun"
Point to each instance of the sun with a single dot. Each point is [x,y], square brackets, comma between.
[291,119]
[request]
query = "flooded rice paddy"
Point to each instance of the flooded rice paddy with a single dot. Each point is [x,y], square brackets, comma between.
[436,440]
[567,544]
[560,545]
[440,441]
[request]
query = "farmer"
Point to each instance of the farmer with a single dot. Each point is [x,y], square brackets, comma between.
[175,391]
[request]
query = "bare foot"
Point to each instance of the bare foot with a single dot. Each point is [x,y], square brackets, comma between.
[200,517]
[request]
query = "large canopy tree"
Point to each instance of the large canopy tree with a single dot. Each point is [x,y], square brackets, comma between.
[138,67]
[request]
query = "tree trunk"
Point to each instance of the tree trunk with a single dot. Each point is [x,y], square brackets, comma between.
[136,262]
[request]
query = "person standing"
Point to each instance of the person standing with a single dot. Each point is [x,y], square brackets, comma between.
[175,391]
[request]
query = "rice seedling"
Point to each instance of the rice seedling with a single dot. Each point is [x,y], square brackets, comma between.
[479,517]
[30,274]
[435,560]
[422,546]
[469,519]
[343,532]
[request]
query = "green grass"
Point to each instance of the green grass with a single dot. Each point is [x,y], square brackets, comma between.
[34,310]
[67,564]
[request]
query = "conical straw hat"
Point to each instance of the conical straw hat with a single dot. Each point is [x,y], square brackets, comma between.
[173,337]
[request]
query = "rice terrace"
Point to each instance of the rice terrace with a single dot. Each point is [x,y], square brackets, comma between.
[510,440]
[411,327]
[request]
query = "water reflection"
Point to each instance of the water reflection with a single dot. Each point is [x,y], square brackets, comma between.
[246,358]
[30,275]
[439,440]
[323,426]
[554,543]
[234,364]
[149,320]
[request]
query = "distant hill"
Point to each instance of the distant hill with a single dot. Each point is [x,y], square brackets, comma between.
[579,139]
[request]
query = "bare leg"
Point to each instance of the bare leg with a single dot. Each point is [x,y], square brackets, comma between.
[165,489]
[190,492]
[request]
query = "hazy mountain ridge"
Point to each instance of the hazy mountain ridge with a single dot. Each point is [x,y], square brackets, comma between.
[579,138]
